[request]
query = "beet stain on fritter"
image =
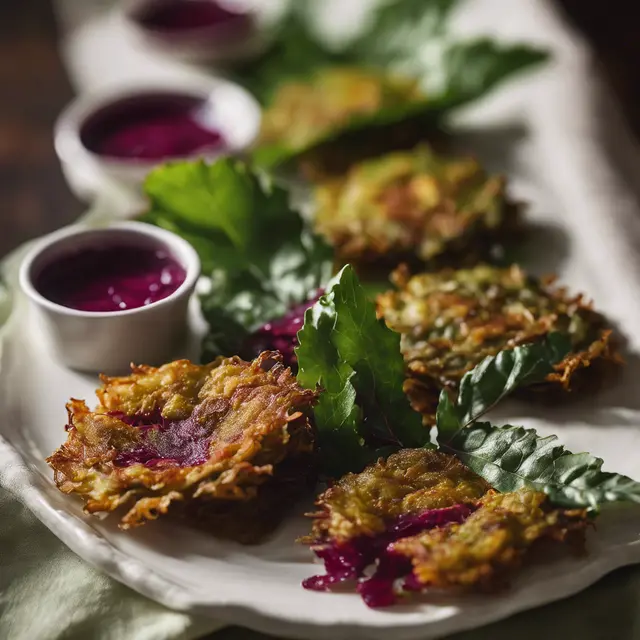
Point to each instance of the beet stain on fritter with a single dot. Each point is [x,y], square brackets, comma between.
[422,521]
[187,437]
[484,550]
[409,482]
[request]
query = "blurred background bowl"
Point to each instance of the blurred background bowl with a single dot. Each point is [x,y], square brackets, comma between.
[213,31]
[95,136]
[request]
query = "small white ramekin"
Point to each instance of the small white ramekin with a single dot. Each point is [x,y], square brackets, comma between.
[207,44]
[110,341]
[236,112]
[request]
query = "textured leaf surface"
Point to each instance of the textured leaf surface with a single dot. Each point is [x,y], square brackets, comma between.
[356,359]
[259,254]
[496,377]
[201,194]
[513,457]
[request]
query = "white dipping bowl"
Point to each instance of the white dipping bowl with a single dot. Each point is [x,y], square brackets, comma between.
[226,108]
[216,43]
[109,341]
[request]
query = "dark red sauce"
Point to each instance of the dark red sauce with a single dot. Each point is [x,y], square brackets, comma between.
[152,127]
[114,278]
[179,15]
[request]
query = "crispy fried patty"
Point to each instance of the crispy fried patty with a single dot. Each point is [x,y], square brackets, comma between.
[415,206]
[194,438]
[451,320]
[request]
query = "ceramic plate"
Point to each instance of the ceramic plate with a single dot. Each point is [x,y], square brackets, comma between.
[260,586]
[575,231]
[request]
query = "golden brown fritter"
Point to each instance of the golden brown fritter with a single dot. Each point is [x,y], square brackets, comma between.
[302,113]
[415,206]
[423,520]
[187,433]
[451,320]
[492,542]
[411,481]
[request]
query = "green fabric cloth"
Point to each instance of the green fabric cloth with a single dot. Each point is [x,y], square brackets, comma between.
[48,593]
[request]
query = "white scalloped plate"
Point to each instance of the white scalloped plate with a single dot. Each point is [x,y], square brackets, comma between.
[260,586]
[575,195]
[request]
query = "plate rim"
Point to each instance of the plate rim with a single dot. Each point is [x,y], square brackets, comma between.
[26,483]
[97,551]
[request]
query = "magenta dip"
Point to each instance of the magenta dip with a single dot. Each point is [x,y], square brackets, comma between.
[112,278]
[154,126]
[180,15]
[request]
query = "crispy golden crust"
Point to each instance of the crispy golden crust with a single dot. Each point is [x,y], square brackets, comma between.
[416,206]
[492,542]
[408,482]
[304,112]
[245,419]
[451,320]
[172,389]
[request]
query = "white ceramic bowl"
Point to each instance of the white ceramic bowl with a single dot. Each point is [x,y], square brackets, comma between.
[210,43]
[227,106]
[110,341]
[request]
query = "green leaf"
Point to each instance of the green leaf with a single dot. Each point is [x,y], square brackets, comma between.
[496,377]
[473,69]
[398,30]
[337,416]
[513,457]
[412,37]
[258,269]
[346,350]
[210,196]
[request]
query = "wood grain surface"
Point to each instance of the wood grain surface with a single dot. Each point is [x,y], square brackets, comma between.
[34,198]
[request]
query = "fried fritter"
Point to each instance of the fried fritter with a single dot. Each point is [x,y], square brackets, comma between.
[411,481]
[414,206]
[422,519]
[412,491]
[302,113]
[204,436]
[451,320]
[482,551]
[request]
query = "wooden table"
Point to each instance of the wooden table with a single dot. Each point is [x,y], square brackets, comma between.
[34,197]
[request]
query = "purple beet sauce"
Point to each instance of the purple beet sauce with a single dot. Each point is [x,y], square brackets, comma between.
[152,127]
[182,15]
[183,443]
[281,334]
[112,278]
[348,561]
